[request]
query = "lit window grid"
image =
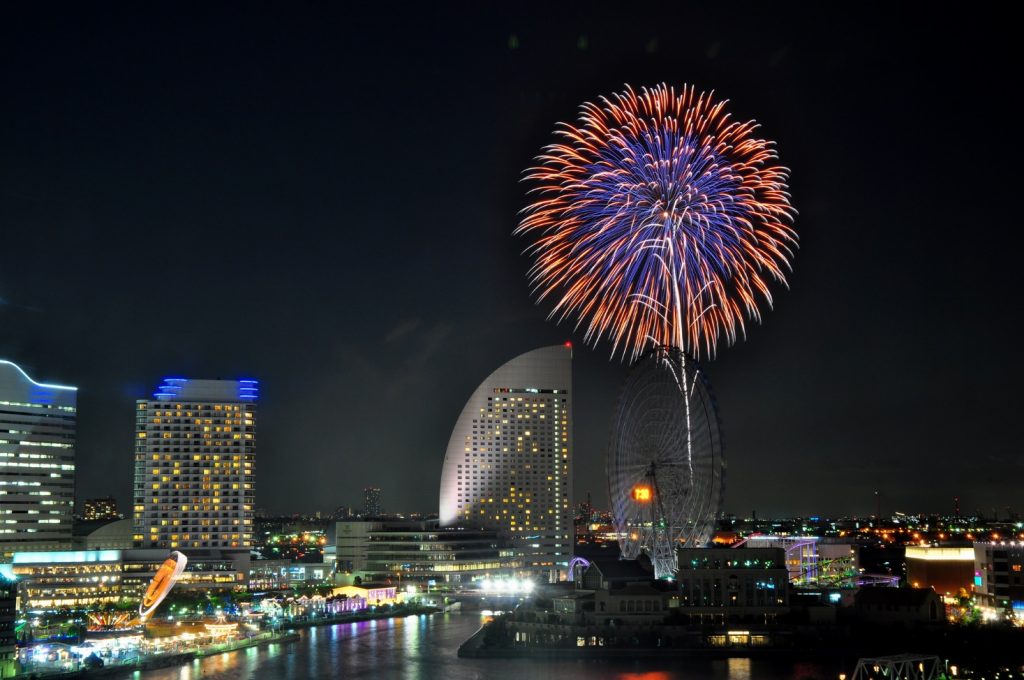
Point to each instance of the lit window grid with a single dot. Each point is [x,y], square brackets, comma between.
[506,480]
[194,474]
[37,473]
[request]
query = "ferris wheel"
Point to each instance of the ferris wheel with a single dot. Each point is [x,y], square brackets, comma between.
[666,473]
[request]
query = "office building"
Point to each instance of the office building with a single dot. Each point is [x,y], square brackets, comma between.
[999,576]
[100,508]
[37,462]
[195,457]
[421,552]
[508,466]
[371,502]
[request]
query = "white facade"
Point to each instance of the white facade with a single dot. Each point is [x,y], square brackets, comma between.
[195,457]
[37,462]
[999,575]
[508,466]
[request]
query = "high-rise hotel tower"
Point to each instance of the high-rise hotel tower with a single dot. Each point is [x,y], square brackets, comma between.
[37,462]
[195,458]
[509,460]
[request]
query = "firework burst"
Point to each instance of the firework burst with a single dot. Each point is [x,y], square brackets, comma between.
[658,221]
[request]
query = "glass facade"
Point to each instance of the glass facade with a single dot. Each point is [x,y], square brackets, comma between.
[37,462]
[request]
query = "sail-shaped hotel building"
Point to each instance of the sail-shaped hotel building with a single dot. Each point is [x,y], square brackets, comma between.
[508,466]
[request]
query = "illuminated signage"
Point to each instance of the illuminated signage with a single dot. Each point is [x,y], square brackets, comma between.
[641,493]
[67,556]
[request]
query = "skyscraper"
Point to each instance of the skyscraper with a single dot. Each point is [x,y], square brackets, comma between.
[37,462]
[509,460]
[371,502]
[195,458]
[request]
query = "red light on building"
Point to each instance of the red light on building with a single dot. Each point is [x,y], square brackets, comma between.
[568,344]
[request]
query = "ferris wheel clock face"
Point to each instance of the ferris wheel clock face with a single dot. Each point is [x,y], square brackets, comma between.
[665,463]
[165,578]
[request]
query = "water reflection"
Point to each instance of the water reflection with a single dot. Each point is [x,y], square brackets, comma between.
[424,648]
[739,669]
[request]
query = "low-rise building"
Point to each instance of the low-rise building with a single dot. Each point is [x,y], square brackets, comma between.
[283,574]
[375,596]
[906,606]
[731,585]
[85,578]
[946,570]
[999,575]
[641,602]
[420,552]
[67,578]
[608,573]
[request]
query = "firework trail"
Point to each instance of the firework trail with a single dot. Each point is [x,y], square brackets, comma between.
[656,220]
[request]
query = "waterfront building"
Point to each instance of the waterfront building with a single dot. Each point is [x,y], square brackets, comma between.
[284,574]
[269,575]
[612,572]
[373,596]
[617,602]
[623,590]
[726,585]
[100,508]
[371,502]
[67,578]
[37,462]
[640,602]
[508,466]
[999,576]
[422,552]
[195,459]
[945,570]
[88,578]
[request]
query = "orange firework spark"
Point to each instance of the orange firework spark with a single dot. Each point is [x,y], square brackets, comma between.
[658,221]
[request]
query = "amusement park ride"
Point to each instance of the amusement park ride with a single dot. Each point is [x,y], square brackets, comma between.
[163,581]
[165,578]
[665,467]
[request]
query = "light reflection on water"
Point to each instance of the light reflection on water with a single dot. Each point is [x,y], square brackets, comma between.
[424,648]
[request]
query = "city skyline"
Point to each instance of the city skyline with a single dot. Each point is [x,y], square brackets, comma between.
[892,508]
[890,360]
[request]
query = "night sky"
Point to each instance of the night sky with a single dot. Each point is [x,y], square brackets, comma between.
[324,200]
